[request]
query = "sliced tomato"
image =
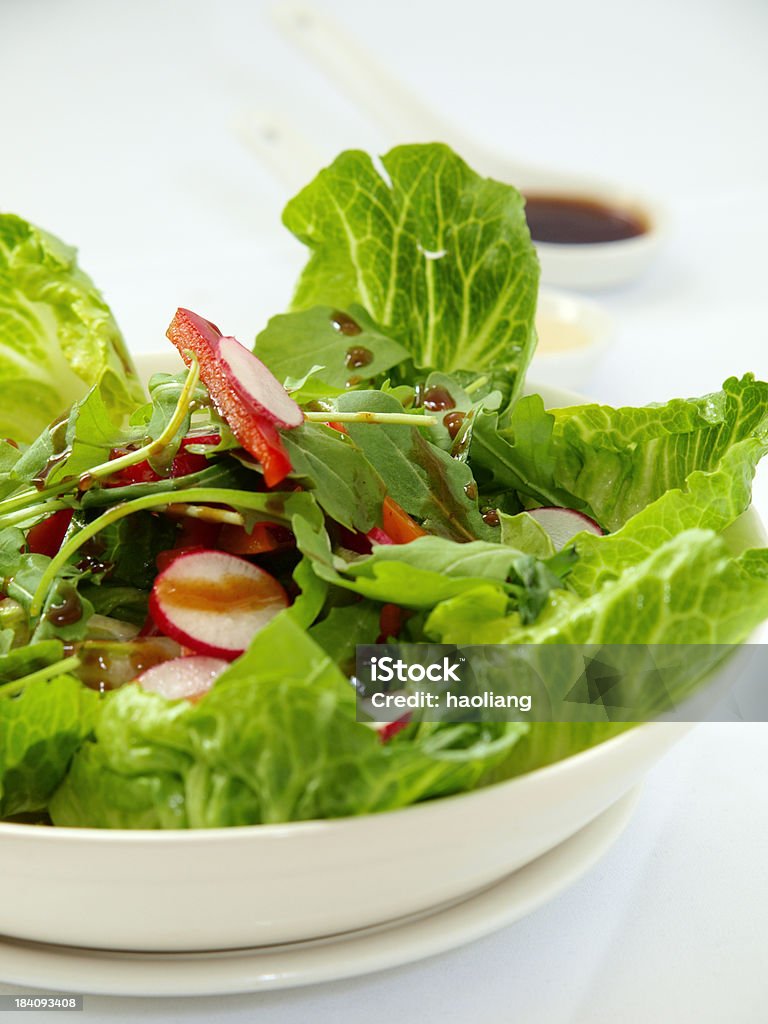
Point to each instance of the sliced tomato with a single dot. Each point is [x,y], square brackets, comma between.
[46,537]
[398,525]
[183,464]
[262,538]
[256,433]
[390,622]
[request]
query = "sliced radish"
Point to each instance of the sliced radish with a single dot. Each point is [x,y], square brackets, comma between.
[379,536]
[563,523]
[213,602]
[257,385]
[179,678]
[253,424]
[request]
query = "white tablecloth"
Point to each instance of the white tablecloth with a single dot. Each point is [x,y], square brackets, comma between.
[117,134]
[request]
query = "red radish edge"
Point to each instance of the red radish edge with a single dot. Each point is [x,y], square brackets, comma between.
[230,617]
[562,524]
[254,426]
[379,536]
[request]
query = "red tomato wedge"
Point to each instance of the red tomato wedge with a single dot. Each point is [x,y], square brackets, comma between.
[398,525]
[183,464]
[246,394]
[45,538]
[264,537]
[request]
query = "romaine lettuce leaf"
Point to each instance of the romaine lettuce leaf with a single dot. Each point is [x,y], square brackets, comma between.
[57,335]
[42,723]
[437,255]
[690,590]
[611,463]
[708,500]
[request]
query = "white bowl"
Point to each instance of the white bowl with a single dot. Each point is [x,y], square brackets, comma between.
[266,884]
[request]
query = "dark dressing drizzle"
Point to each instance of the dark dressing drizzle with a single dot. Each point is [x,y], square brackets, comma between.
[357,356]
[68,611]
[438,398]
[452,422]
[344,323]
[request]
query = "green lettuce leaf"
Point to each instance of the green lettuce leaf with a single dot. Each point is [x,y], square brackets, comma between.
[690,590]
[275,740]
[41,726]
[711,500]
[57,335]
[611,463]
[437,255]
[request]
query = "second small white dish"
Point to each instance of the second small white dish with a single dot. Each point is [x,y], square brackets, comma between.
[574,333]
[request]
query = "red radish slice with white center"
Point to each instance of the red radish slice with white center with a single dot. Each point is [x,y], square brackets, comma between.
[189,678]
[254,425]
[214,603]
[256,385]
[562,524]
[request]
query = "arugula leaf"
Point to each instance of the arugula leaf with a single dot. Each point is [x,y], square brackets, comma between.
[293,341]
[91,434]
[337,473]
[57,335]
[12,543]
[128,549]
[421,477]
[41,726]
[439,256]
[129,604]
[431,570]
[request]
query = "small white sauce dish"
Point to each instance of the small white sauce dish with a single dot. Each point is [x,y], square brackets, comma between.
[574,333]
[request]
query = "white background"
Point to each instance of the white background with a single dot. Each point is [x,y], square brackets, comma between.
[117,133]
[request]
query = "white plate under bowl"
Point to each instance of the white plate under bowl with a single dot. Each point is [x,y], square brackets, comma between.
[96,972]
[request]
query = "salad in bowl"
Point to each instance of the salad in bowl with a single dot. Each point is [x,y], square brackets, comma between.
[186,573]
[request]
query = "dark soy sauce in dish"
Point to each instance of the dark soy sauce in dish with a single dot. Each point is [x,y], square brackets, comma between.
[565,220]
